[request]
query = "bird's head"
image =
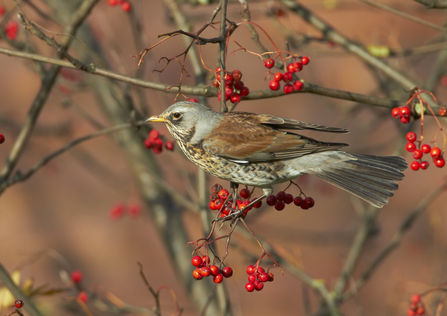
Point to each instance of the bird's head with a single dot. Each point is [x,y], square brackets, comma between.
[188,121]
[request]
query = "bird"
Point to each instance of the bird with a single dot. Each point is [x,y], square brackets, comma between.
[259,150]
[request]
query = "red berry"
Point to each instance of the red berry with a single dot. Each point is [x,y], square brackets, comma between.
[244,91]
[125,6]
[205,259]
[298,85]
[424,165]
[411,312]
[274,85]
[244,193]
[228,79]
[223,194]
[410,147]
[435,152]
[420,311]
[280,205]
[250,287]
[218,278]
[426,148]
[287,77]
[415,298]
[281,195]
[235,98]
[415,165]
[192,100]
[205,271]
[197,274]
[196,261]
[238,85]
[411,136]
[288,198]
[76,276]
[277,77]
[2,138]
[271,277]
[18,303]
[305,60]
[227,272]
[269,63]
[288,88]
[216,83]
[237,75]
[252,278]
[271,200]
[169,145]
[216,188]
[417,154]
[440,162]
[291,68]
[212,206]
[148,143]
[117,211]
[154,134]
[298,201]
[11,30]
[2,11]
[83,297]
[218,204]
[214,270]
[298,66]
[308,203]
[259,286]
[263,277]
[112,2]
[250,269]
[395,112]
[405,111]
[442,111]
[405,120]
[229,91]
[257,204]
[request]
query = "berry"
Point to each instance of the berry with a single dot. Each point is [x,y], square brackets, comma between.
[196,261]
[125,6]
[308,203]
[76,276]
[2,138]
[228,91]
[205,260]
[395,112]
[18,303]
[435,152]
[410,147]
[205,271]
[280,205]
[2,11]
[442,111]
[288,88]
[277,77]
[271,200]
[212,206]
[298,85]
[288,198]
[281,195]
[405,111]
[228,79]
[154,134]
[259,286]
[214,270]
[197,274]
[417,154]
[411,312]
[415,298]
[252,278]
[11,30]
[411,136]
[298,201]
[192,100]
[424,165]
[116,211]
[235,98]
[274,85]
[83,297]
[169,145]
[415,165]
[440,162]
[216,188]
[216,83]
[263,277]
[298,66]
[218,204]
[112,2]
[227,272]
[218,278]
[250,269]
[305,60]
[291,68]
[287,77]
[257,204]
[250,287]
[271,277]
[238,85]
[148,143]
[223,194]
[426,148]
[237,75]
[420,311]
[244,193]
[269,63]
[405,120]
[244,91]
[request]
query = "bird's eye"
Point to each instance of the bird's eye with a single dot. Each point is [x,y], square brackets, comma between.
[177,115]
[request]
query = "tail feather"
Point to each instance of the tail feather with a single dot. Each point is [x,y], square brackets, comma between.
[370,178]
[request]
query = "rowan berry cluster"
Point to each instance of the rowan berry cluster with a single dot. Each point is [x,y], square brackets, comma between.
[234,86]
[416,306]
[403,113]
[418,149]
[2,138]
[125,5]
[287,77]
[154,142]
[257,277]
[204,269]
[219,200]
[282,198]
[120,209]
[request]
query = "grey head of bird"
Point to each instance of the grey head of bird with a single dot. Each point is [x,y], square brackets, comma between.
[188,121]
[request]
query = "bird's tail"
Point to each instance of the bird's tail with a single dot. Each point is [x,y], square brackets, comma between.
[371,178]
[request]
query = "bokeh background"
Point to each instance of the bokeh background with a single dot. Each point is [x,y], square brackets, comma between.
[63,210]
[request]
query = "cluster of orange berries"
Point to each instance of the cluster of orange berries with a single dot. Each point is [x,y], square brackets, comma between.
[120,209]
[287,77]
[219,200]
[154,142]
[257,277]
[403,113]
[419,150]
[416,306]
[234,86]
[125,5]
[204,269]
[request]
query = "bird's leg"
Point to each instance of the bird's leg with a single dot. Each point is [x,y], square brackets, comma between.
[234,187]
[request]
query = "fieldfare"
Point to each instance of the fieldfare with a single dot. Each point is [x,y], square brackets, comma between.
[253,149]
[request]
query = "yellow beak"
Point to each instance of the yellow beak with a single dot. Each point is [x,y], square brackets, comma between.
[156,118]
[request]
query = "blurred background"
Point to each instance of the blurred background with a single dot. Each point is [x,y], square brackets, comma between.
[59,219]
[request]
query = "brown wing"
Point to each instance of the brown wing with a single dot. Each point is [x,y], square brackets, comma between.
[285,123]
[244,137]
